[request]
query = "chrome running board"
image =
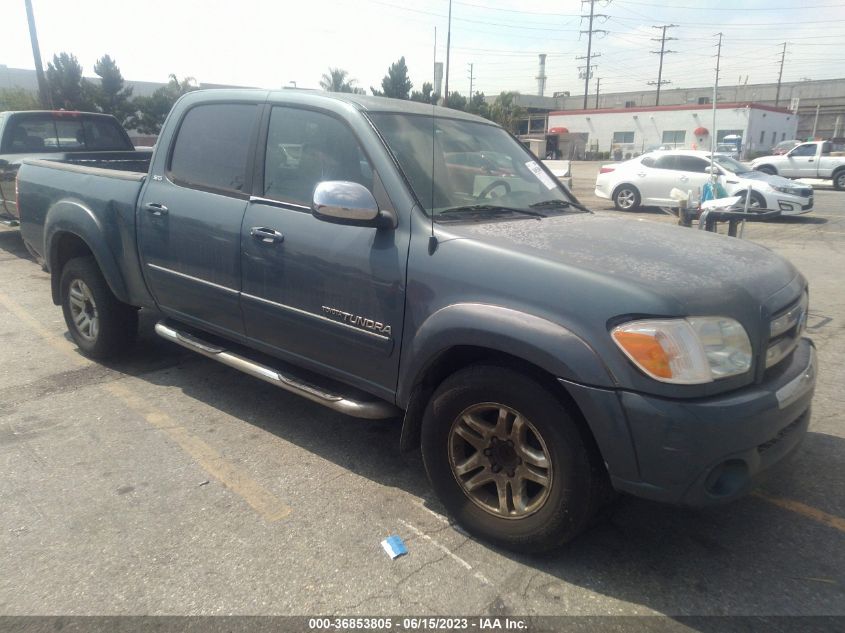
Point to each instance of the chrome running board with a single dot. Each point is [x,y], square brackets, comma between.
[369,409]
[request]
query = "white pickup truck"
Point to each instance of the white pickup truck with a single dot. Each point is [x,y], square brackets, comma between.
[808,160]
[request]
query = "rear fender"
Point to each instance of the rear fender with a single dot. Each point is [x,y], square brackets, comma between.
[72,218]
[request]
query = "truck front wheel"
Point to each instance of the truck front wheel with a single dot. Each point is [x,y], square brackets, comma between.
[839,180]
[508,461]
[767,169]
[100,325]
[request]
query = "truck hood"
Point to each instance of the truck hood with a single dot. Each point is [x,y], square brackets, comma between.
[698,269]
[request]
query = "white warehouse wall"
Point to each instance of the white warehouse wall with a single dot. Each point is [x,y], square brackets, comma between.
[648,126]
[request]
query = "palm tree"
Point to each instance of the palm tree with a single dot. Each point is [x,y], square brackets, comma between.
[336,81]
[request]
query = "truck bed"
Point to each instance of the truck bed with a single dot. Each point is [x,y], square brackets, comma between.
[130,161]
[97,204]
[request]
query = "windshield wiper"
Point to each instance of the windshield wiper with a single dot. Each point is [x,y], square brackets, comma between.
[489,208]
[558,204]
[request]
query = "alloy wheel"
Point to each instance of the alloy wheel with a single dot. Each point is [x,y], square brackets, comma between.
[500,460]
[83,310]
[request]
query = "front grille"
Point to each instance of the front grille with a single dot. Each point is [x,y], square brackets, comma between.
[785,330]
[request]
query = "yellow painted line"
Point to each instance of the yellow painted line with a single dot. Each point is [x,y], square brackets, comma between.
[808,512]
[58,343]
[209,459]
[258,497]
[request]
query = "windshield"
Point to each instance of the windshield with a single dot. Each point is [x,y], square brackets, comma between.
[453,164]
[731,165]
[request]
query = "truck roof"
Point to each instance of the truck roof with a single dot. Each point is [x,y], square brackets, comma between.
[364,103]
[56,113]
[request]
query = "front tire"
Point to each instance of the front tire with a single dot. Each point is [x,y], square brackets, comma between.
[839,180]
[757,202]
[101,326]
[626,198]
[508,461]
[767,169]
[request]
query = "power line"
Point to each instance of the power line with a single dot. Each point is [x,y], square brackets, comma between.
[663,39]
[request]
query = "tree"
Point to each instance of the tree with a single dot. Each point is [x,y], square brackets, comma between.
[427,95]
[477,105]
[70,91]
[395,83]
[506,112]
[456,101]
[18,99]
[336,81]
[150,112]
[112,96]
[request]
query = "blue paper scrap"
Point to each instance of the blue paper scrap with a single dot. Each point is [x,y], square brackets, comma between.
[394,546]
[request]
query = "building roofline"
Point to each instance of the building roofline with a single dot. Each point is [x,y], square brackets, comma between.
[669,108]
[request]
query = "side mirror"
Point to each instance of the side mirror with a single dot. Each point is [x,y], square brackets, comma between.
[343,202]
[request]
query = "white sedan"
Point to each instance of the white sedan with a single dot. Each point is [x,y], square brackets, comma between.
[648,180]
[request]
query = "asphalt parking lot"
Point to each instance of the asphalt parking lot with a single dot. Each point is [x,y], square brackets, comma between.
[168,484]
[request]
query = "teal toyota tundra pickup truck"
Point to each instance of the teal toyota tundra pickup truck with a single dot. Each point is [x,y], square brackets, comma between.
[540,355]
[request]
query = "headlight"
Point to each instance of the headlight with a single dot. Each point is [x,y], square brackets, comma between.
[686,351]
[786,189]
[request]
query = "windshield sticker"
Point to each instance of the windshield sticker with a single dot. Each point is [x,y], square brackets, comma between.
[541,175]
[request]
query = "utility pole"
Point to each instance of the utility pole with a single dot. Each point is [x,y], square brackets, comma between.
[660,81]
[598,83]
[43,92]
[448,46]
[713,131]
[590,31]
[470,80]
[780,74]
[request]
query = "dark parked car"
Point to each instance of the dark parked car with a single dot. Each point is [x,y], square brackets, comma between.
[540,355]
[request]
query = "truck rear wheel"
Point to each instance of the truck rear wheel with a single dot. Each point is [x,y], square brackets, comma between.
[508,461]
[100,325]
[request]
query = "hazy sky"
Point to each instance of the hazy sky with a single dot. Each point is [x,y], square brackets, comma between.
[270,43]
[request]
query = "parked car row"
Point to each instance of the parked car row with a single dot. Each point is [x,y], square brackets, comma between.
[649,180]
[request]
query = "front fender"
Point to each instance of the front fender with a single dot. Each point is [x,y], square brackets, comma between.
[536,340]
[74,218]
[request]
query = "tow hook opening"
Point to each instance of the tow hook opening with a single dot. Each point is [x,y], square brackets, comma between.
[727,478]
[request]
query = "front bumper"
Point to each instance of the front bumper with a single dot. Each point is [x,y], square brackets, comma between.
[791,205]
[708,450]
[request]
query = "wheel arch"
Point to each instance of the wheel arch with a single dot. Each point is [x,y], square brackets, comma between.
[467,334]
[64,245]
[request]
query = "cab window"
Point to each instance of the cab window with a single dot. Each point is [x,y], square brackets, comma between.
[804,150]
[305,148]
[210,152]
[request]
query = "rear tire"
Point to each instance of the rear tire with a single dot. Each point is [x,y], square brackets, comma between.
[101,326]
[508,461]
[626,198]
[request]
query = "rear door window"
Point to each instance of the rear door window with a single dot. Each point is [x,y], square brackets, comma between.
[693,164]
[212,146]
[666,162]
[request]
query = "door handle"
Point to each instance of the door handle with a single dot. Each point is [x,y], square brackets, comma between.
[267,236]
[684,178]
[641,174]
[811,160]
[156,209]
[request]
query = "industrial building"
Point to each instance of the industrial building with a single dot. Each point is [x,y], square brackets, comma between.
[622,132]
